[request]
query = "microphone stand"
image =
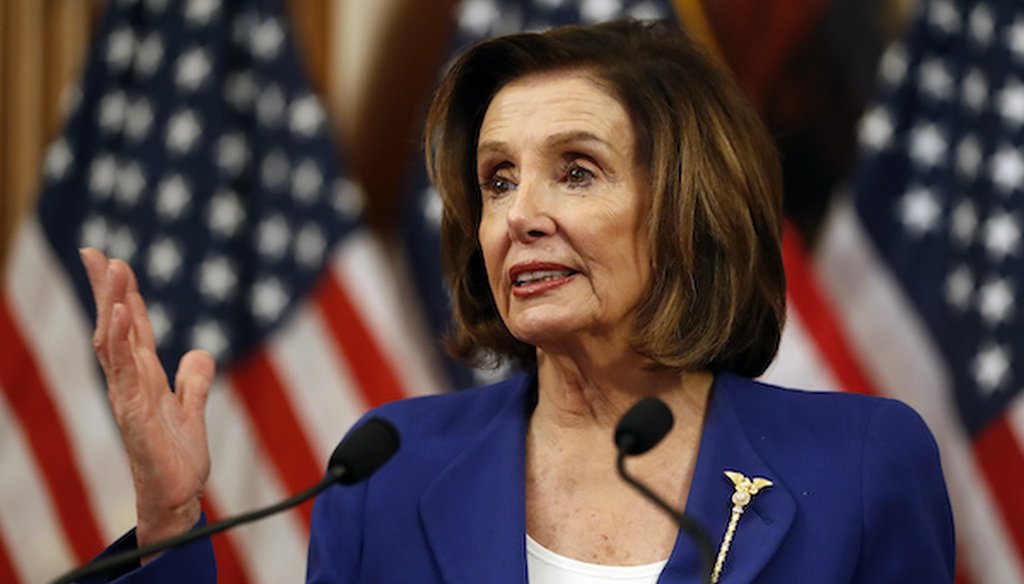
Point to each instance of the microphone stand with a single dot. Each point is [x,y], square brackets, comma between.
[126,556]
[357,457]
[690,527]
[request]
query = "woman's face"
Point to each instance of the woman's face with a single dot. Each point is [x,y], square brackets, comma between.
[563,201]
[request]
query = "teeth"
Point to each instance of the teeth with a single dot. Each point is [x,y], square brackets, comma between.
[541,276]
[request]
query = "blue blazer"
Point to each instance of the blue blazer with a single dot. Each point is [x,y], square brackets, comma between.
[858,495]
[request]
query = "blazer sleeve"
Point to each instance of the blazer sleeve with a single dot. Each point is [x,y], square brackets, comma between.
[908,523]
[193,563]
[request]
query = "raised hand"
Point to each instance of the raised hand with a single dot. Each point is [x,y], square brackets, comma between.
[164,432]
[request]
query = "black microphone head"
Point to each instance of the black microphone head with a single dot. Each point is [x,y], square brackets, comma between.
[363,451]
[643,426]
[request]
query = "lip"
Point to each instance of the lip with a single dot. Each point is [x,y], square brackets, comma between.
[540,286]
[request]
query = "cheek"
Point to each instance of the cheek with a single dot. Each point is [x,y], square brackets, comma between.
[627,258]
[493,244]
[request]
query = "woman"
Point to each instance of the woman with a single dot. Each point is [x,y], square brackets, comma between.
[612,224]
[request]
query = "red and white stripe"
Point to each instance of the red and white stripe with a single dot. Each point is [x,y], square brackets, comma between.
[861,308]
[273,418]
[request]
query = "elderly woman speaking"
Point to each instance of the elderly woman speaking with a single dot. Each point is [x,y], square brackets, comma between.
[612,225]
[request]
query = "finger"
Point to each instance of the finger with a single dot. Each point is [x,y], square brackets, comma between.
[96,266]
[120,280]
[115,282]
[151,374]
[122,375]
[131,283]
[142,328]
[196,371]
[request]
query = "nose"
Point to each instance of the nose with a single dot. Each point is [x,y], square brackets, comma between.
[529,217]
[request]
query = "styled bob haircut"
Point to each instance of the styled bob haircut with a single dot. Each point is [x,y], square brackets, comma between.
[716,299]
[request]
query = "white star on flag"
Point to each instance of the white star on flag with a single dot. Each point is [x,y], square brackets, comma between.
[209,336]
[129,184]
[120,48]
[267,38]
[182,131]
[226,214]
[307,180]
[991,367]
[348,198]
[269,298]
[274,169]
[960,288]
[240,90]
[138,119]
[305,115]
[164,260]
[272,237]
[920,211]
[995,301]
[968,157]
[112,112]
[121,244]
[310,246]
[981,24]
[936,80]
[876,128]
[1002,235]
[927,145]
[199,12]
[150,55]
[102,176]
[1011,103]
[218,279]
[599,10]
[478,15]
[233,153]
[173,196]
[944,16]
[58,160]
[965,221]
[270,106]
[1008,168]
[975,90]
[193,69]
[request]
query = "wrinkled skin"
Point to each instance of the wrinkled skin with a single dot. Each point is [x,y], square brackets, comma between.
[164,432]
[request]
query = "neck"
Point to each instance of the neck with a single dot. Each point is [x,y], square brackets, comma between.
[575,392]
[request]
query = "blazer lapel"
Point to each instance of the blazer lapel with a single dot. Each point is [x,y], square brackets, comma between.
[726,445]
[474,513]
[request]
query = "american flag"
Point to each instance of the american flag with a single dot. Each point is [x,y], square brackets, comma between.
[194,150]
[919,267]
[421,220]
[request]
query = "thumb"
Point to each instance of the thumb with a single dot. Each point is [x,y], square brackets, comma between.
[192,383]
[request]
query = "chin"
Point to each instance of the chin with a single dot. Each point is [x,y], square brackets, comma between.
[540,331]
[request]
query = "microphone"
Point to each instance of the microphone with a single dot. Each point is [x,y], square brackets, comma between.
[358,456]
[639,430]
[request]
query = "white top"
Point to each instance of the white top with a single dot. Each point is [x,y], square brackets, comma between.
[544,566]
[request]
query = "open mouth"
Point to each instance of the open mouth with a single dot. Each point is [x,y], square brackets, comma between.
[537,276]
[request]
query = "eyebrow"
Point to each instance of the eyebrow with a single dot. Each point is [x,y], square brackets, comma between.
[560,139]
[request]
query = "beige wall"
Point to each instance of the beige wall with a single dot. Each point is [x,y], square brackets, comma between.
[373,61]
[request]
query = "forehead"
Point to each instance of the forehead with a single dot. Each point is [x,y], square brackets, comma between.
[541,106]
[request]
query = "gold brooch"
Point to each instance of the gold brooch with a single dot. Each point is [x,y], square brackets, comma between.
[744,492]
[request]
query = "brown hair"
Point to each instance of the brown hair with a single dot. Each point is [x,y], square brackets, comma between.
[717,292]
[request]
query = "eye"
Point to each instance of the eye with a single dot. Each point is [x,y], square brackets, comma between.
[576,175]
[496,184]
